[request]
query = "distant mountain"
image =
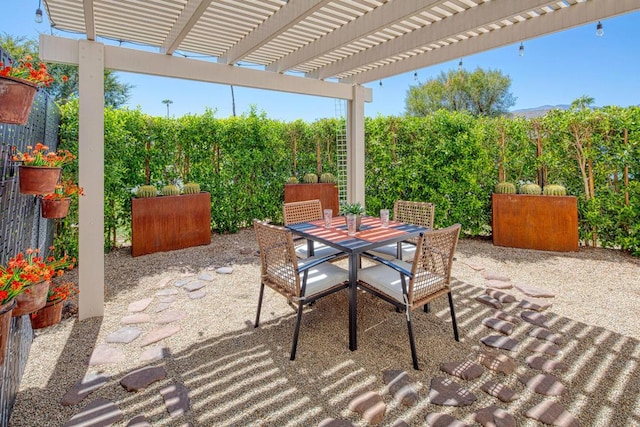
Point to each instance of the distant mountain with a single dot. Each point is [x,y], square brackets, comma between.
[531,113]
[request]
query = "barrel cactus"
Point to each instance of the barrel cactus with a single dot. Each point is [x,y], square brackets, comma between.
[505,188]
[327,177]
[310,178]
[147,191]
[170,190]
[292,180]
[554,190]
[191,188]
[530,189]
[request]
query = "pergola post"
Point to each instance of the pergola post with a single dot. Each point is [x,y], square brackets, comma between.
[91,178]
[355,144]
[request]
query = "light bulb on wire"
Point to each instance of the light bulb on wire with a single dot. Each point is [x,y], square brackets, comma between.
[521,49]
[460,65]
[599,29]
[415,76]
[38,17]
[380,83]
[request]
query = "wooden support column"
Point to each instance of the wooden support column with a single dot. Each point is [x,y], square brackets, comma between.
[355,144]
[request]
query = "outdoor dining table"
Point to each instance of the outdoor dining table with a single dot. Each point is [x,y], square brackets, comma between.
[370,236]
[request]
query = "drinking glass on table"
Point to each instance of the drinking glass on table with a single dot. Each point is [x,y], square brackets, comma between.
[351,224]
[384,217]
[328,215]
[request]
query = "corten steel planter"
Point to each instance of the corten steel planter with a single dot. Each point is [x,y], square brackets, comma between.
[327,193]
[547,223]
[54,208]
[33,298]
[5,326]
[48,315]
[166,223]
[38,179]
[16,99]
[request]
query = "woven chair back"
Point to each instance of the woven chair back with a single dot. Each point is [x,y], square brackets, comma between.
[308,210]
[416,213]
[278,258]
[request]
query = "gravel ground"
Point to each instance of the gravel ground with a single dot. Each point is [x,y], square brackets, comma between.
[241,376]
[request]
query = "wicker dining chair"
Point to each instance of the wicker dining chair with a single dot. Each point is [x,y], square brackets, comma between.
[300,281]
[411,286]
[416,213]
[305,211]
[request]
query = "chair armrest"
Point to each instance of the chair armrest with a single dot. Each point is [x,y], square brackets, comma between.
[312,262]
[388,264]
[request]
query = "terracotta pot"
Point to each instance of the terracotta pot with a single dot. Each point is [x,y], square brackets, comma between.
[31,299]
[55,208]
[16,99]
[48,315]
[38,179]
[5,326]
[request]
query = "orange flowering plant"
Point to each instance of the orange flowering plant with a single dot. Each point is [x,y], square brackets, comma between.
[36,156]
[61,292]
[28,268]
[25,70]
[67,189]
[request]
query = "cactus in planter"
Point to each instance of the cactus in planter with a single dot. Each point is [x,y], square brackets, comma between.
[170,190]
[292,180]
[147,191]
[310,178]
[530,189]
[554,190]
[327,177]
[505,188]
[191,188]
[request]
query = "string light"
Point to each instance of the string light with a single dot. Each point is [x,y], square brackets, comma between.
[460,65]
[38,17]
[415,76]
[599,29]
[521,49]
[380,83]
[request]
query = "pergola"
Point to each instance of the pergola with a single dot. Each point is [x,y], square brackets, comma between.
[325,48]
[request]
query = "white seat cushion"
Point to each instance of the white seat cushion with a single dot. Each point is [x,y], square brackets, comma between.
[323,276]
[319,250]
[386,279]
[390,251]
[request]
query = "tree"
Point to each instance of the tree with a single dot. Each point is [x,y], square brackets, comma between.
[483,93]
[167,102]
[116,93]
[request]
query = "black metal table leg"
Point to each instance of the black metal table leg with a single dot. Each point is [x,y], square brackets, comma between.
[353,304]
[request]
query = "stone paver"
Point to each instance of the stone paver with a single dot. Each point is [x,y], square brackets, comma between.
[143,378]
[224,270]
[534,305]
[163,282]
[400,423]
[552,413]
[194,285]
[151,354]
[545,365]
[534,318]
[166,292]
[136,318]
[476,267]
[201,293]
[183,281]
[497,362]
[438,419]
[139,421]
[533,291]
[501,326]
[333,422]
[498,284]
[159,334]
[176,399]
[91,381]
[506,316]
[171,316]
[206,276]
[443,391]
[490,275]
[140,305]
[487,300]
[370,406]
[103,355]
[466,370]
[124,335]
[401,385]
[492,416]
[543,384]
[499,341]
[500,391]
[547,335]
[543,347]
[503,297]
[163,306]
[167,300]
[99,413]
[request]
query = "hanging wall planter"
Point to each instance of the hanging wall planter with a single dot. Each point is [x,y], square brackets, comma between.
[38,179]
[48,315]
[55,208]
[5,324]
[16,99]
[32,298]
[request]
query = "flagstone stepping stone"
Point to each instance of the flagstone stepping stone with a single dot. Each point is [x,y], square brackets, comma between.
[176,399]
[133,319]
[140,305]
[492,416]
[139,421]
[171,316]
[142,378]
[543,364]
[194,286]
[332,422]
[534,318]
[201,293]
[498,284]
[444,391]
[499,391]
[466,370]
[490,275]
[164,282]
[497,362]
[181,282]
[438,419]
[487,300]
[547,335]
[499,341]
[99,413]
[550,412]
[402,386]
[370,405]
[166,292]
[543,347]
[400,423]
[224,270]
[476,267]
[163,306]
[531,305]
[543,384]
[535,292]
[498,325]
[206,276]
[500,296]
[159,334]
[105,355]
[124,335]
[91,381]
[506,316]
[151,354]
[168,300]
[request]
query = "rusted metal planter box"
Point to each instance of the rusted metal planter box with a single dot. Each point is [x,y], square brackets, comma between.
[165,223]
[327,193]
[547,223]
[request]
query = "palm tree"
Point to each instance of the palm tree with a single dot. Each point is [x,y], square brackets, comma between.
[167,102]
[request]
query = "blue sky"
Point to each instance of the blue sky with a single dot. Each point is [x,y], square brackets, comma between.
[555,69]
